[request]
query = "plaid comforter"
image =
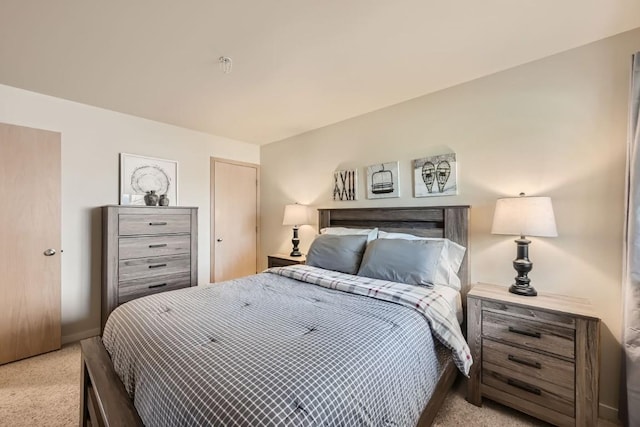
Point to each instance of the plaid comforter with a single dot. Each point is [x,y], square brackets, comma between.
[426,301]
[269,350]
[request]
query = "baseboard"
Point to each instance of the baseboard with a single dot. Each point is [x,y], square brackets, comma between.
[608,413]
[66,339]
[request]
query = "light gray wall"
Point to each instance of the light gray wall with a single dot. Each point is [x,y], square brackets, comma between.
[92,139]
[554,127]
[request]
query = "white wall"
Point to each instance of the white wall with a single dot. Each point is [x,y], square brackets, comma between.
[554,127]
[92,139]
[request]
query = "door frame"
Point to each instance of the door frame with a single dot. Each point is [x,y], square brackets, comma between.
[212,212]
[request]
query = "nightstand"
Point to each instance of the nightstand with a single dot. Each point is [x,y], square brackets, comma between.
[539,355]
[282,260]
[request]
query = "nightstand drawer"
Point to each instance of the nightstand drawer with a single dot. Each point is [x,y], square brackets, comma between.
[131,224]
[538,367]
[531,334]
[282,260]
[529,313]
[528,389]
[143,247]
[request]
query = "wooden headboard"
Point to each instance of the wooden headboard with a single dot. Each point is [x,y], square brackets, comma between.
[451,222]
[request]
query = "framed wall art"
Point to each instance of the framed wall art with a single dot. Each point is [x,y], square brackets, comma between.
[435,176]
[345,185]
[383,180]
[140,174]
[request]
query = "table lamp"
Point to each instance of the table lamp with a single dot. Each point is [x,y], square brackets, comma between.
[524,216]
[295,215]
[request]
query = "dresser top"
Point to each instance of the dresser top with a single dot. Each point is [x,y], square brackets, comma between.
[580,307]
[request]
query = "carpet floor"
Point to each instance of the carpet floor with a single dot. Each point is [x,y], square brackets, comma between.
[44,391]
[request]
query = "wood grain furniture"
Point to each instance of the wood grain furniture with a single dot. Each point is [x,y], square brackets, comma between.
[283,260]
[146,250]
[104,400]
[539,355]
[30,238]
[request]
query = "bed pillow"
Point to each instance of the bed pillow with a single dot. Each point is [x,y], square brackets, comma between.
[455,251]
[450,258]
[341,253]
[372,234]
[414,262]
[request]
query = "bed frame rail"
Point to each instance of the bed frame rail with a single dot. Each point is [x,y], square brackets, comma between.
[103,399]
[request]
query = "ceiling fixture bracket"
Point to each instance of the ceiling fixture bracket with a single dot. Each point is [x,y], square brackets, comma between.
[226,64]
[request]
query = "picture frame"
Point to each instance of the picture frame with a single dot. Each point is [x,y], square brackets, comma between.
[345,185]
[383,180]
[140,174]
[435,176]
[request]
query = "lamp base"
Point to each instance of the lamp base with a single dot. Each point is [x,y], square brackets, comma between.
[523,266]
[296,242]
[527,291]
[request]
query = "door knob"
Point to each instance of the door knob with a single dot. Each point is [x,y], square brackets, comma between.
[218,240]
[49,252]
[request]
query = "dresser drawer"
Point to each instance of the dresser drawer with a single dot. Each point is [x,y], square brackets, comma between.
[137,288]
[151,267]
[538,367]
[143,247]
[535,335]
[133,224]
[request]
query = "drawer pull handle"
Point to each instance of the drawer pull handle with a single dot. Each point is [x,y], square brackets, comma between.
[524,362]
[157,265]
[523,332]
[524,386]
[161,245]
[158,223]
[157,286]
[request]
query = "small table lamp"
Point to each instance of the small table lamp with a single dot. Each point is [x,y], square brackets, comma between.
[524,216]
[295,215]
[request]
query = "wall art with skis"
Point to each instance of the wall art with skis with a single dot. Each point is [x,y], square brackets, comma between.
[345,185]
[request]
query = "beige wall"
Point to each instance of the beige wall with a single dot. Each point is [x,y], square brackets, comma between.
[92,139]
[554,127]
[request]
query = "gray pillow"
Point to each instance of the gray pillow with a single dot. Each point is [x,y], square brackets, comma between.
[337,253]
[413,262]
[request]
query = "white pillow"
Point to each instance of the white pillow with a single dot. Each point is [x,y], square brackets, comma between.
[450,258]
[372,234]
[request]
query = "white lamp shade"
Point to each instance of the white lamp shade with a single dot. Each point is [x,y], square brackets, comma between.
[296,215]
[524,216]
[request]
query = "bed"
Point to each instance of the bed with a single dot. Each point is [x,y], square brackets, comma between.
[106,390]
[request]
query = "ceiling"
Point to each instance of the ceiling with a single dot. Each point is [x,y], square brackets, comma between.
[297,64]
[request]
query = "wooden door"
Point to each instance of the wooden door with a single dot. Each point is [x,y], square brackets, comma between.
[30,225]
[235,213]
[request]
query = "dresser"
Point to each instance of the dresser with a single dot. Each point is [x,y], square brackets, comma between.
[283,260]
[539,355]
[146,250]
